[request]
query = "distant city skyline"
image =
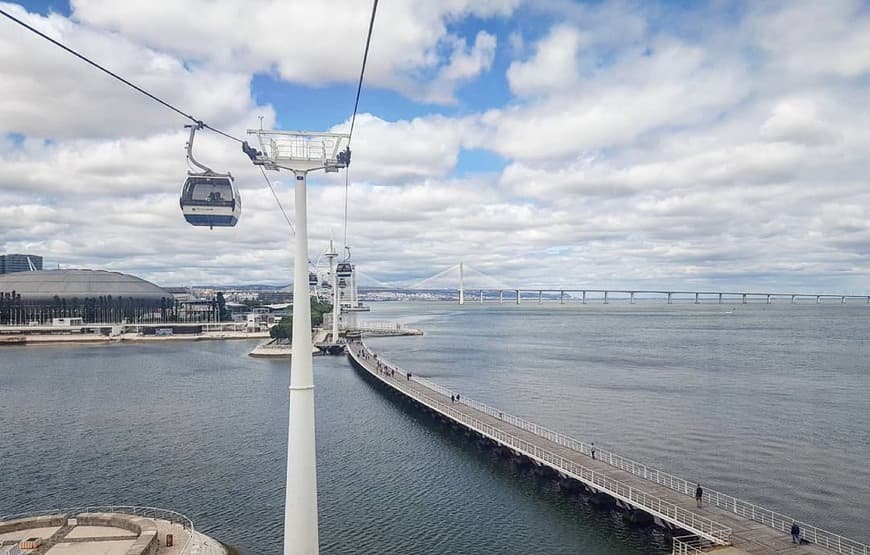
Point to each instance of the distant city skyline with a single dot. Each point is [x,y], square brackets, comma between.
[615,144]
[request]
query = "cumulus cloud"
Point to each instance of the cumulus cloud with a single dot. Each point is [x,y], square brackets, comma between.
[634,149]
[553,68]
[295,39]
[49,94]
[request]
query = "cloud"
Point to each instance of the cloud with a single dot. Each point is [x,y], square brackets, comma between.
[50,94]
[553,68]
[673,84]
[808,39]
[642,145]
[293,39]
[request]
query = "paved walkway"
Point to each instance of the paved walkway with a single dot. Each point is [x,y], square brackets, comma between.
[106,540]
[748,536]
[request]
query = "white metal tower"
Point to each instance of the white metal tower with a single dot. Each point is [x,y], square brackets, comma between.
[336,310]
[300,152]
[461,283]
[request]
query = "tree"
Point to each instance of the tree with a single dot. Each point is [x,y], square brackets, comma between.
[283,329]
[223,313]
[318,309]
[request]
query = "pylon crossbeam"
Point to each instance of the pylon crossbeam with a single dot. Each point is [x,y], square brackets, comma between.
[300,150]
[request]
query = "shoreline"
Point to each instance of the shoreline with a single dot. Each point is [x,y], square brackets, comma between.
[87,339]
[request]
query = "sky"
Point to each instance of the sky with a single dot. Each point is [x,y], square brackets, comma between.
[685,145]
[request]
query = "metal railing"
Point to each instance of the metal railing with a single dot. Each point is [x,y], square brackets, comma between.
[824,538]
[659,507]
[687,545]
[192,546]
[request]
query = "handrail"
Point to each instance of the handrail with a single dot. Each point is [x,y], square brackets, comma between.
[664,509]
[777,521]
[686,545]
[147,512]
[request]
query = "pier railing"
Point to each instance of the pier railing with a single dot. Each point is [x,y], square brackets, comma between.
[659,507]
[830,540]
[687,545]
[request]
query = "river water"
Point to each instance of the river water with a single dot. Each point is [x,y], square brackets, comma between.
[770,403]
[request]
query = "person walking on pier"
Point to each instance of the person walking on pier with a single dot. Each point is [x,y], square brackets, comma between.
[699,494]
[452,398]
[795,533]
[593,450]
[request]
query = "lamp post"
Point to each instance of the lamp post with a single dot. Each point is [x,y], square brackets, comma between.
[300,152]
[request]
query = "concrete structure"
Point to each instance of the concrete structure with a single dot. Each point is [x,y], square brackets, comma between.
[96,296]
[564,296]
[632,486]
[104,531]
[10,263]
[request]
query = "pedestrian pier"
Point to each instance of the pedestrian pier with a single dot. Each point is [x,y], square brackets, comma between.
[724,523]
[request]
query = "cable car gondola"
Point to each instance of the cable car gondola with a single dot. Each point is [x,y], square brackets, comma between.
[209,198]
[312,278]
[344,270]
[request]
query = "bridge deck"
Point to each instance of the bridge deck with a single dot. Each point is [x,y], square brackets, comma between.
[711,522]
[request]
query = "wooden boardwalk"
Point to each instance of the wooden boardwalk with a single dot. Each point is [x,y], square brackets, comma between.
[723,520]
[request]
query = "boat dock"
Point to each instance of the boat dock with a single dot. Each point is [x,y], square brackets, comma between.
[723,524]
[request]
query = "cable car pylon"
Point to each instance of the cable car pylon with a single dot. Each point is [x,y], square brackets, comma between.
[300,152]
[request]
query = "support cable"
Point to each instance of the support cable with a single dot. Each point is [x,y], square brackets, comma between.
[274,194]
[118,77]
[362,73]
[346,189]
[363,70]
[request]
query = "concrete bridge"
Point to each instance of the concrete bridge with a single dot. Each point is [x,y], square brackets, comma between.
[729,525]
[519,296]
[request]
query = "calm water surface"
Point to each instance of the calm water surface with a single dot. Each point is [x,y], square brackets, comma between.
[770,403]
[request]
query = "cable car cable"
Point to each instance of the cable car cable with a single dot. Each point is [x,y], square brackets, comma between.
[286,217]
[355,109]
[346,188]
[116,76]
[362,71]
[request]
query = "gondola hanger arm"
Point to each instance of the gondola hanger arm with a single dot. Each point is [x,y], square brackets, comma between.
[193,128]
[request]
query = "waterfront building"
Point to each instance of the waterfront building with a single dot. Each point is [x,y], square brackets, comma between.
[96,296]
[10,263]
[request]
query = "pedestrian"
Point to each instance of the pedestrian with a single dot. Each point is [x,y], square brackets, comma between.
[699,494]
[457,396]
[408,376]
[795,533]
[593,450]
[452,399]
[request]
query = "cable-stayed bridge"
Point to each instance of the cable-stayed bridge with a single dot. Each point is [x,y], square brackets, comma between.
[473,285]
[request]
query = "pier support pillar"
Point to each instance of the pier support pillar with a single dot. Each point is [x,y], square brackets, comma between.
[768,299]
[605,297]
[696,298]
[744,298]
[518,296]
[669,297]
[631,298]
[843,300]
[501,296]
[561,297]
[584,297]
[540,297]
[720,298]
[481,296]
[818,299]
